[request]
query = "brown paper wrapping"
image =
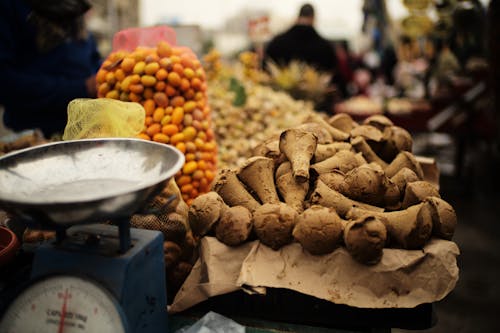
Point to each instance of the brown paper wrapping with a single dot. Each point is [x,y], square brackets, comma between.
[215,273]
[402,279]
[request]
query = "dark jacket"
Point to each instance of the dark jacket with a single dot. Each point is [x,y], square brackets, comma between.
[302,42]
[35,87]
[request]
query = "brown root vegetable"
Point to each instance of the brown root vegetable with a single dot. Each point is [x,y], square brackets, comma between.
[299,147]
[232,191]
[324,137]
[335,180]
[369,185]
[283,168]
[378,121]
[343,160]
[395,139]
[444,218]
[258,174]
[269,148]
[337,135]
[403,177]
[292,192]
[326,151]
[404,160]
[365,239]
[318,230]
[392,195]
[366,185]
[418,191]
[359,143]
[361,160]
[204,212]
[374,166]
[343,122]
[327,197]
[274,223]
[409,228]
[171,253]
[234,226]
[368,132]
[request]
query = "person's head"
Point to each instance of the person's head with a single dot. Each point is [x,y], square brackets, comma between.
[306,14]
[57,21]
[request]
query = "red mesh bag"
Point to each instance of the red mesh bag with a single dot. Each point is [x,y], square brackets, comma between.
[130,39]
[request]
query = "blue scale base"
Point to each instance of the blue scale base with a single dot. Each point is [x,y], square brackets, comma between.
[135,278]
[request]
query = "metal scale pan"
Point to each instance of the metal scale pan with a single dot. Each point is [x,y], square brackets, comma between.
[66,183]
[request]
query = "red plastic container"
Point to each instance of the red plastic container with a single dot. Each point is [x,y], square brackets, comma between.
[9,244]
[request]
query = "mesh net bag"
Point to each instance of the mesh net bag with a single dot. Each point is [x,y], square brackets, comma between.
[129,39]
[165,215]
[101,118]
[148,68]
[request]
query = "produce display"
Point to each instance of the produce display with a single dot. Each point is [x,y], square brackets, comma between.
[245,108]
[328,183]
[239,129]
[300,80]
[169,82]
[359,105]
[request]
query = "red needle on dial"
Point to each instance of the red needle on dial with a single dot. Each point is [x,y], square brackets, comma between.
[63,312]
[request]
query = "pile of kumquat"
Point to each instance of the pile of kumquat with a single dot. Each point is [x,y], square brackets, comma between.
[170,83]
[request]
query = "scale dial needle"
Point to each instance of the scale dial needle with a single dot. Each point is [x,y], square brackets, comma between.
[63,312]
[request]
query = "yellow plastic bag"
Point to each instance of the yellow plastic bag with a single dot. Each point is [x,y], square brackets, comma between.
[103,118]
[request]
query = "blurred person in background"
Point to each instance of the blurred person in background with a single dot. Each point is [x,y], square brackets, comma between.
[47,58]
[301,42]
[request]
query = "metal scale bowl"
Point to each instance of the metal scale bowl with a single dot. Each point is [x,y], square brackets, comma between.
[69,187]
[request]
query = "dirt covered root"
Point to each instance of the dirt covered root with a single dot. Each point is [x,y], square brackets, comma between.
[274,223]
[318,230]
[204,212]
[234,226]
[365,239]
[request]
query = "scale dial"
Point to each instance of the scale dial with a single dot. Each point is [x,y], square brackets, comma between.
[64,304]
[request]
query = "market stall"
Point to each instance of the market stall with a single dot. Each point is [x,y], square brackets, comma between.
[219,192]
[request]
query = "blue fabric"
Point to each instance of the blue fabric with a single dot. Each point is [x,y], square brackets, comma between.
[35,87]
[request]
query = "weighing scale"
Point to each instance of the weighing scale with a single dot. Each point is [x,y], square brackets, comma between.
[93,277]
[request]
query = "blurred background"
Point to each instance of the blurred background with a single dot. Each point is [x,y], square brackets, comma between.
[224,24]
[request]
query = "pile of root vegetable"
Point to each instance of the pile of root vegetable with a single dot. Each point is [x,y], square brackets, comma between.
[240,128]
[327,183]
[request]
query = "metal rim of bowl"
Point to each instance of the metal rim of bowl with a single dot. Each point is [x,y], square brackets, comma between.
[178,165]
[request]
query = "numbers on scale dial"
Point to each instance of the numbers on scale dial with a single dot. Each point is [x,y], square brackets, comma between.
[63,304]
